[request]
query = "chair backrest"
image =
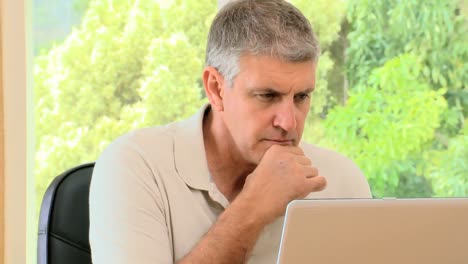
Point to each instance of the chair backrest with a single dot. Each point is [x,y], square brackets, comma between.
[64,219]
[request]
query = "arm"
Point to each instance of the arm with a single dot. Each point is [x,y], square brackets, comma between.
[283,174]
[231,238]
[127,221]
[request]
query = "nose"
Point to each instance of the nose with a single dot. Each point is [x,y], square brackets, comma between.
[285,117]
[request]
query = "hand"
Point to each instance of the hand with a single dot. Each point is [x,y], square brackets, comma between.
[284,174]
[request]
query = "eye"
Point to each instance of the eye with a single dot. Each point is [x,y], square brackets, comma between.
[301,97]
[266,97]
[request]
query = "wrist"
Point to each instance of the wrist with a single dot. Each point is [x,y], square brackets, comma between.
[251,211]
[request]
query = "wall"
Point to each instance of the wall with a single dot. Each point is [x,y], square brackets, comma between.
[2,165]
[14,84]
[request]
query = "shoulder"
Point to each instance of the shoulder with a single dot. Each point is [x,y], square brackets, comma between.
[132,156]
[344,178]
[159,141]
[141,142]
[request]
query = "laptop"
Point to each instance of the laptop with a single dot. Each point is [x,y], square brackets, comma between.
[375,231]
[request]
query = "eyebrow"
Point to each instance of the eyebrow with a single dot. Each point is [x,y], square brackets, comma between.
[273,91]
[308,90]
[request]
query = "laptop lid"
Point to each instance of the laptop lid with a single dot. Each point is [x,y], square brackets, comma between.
[361,231]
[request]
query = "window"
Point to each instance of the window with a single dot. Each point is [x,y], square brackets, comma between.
[392,94]
[123,65]
[390,90]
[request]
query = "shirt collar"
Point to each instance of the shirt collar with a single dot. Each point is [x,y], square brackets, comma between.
[189,151]
[190,155]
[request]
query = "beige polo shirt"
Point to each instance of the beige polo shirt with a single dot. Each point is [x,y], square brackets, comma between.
[152,198]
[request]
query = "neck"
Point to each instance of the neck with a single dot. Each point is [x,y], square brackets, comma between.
[227,167]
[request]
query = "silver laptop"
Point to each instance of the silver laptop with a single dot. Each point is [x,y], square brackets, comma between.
[376,231]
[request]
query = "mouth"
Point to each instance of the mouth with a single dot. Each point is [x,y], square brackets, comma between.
[282,142]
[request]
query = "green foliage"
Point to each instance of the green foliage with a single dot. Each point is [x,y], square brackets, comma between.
[130,64]
[80,6]
[435,32]
[389,118]
[431,29]
[447,168]
[326,18]
[133,64]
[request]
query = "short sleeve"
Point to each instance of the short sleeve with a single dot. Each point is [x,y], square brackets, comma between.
[127,216]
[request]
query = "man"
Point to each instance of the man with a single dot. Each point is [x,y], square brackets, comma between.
[213,188]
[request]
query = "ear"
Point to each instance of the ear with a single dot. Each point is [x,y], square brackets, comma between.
[214,87]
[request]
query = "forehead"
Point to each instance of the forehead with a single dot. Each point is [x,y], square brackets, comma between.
[275,73]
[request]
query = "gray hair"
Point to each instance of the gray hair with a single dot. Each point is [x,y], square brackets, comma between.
[273,28]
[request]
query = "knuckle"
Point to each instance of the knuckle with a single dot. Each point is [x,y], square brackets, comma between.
[317,184]
[324,182]
[299,150]
[321,183]
[274,148]
[315,171]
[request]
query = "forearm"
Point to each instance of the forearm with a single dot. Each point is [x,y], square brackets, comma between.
[231,239]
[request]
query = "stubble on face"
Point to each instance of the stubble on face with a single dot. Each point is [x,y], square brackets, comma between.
[267,105]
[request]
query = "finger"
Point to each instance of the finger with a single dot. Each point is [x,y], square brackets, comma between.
[316,184]
[288,149]
[303,160]
[310,172]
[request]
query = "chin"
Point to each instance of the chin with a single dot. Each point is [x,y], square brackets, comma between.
[257,155]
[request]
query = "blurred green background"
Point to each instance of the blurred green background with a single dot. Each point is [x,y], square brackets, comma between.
[391,91]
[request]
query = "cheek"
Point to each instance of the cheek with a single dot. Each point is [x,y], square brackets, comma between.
[301,117]
[252,126]
[243,121]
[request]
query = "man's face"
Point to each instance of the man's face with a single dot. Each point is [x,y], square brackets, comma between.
[267,104]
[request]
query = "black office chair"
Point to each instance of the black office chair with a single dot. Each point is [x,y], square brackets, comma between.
[64,219]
